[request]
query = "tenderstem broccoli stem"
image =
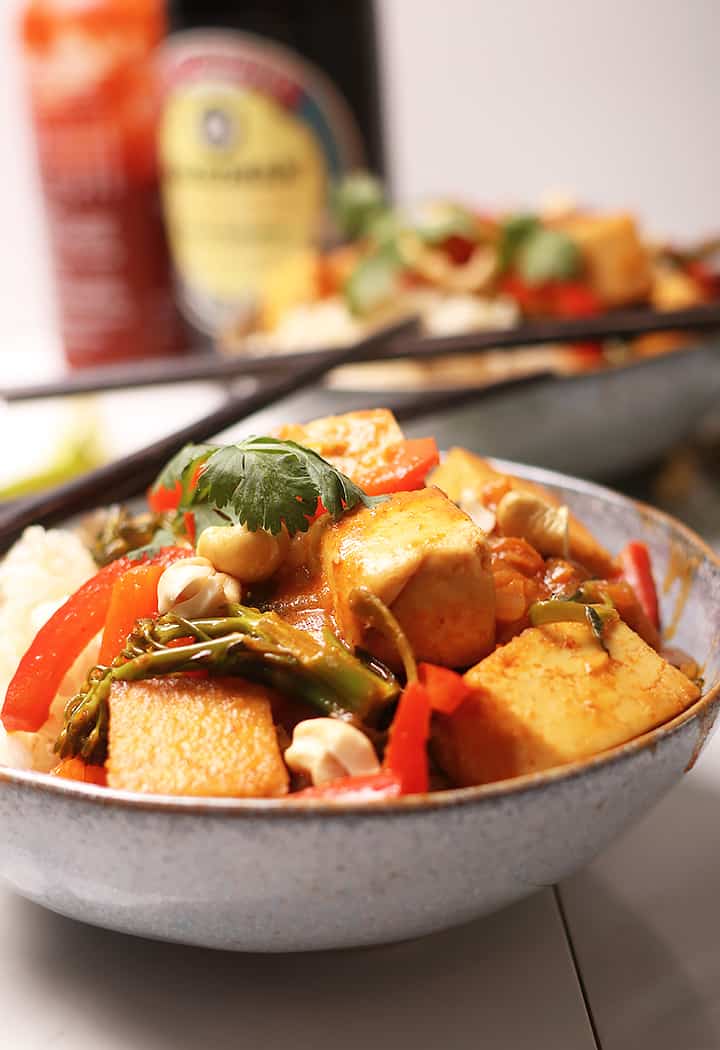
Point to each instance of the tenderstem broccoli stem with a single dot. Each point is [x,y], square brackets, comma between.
[255,645]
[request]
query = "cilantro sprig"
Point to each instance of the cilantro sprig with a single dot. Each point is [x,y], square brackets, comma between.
[260,482]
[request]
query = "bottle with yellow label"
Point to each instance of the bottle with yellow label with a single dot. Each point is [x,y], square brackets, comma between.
[265,104]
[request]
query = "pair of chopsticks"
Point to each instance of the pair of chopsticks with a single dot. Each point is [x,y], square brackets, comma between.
[132,474]
[385,345]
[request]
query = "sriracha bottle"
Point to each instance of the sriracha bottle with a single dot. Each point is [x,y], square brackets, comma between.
[94,106]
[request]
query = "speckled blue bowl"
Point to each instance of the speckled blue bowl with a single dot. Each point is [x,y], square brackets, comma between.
[268,876]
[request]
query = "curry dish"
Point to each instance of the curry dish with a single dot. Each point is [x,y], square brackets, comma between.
[330,612]
[461,269]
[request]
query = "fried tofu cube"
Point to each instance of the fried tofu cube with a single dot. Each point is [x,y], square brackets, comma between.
[553,695]
[355,442]
[463,474]
[674,289]
[618,264]
[183,736]
[427,561]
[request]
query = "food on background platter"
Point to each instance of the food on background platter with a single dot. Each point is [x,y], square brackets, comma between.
[462,270]
[329,613]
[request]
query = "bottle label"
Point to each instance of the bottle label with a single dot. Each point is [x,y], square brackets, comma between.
[249,139]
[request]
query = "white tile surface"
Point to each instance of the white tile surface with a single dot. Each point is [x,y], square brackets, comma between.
[504,983]
[645,923]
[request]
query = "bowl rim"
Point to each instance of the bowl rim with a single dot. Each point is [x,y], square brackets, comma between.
[707,343]
[703,711]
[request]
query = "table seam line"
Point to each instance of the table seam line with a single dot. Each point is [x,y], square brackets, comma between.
[576,967]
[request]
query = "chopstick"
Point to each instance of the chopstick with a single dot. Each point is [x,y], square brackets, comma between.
[133,473]
[615,324]
[209,366]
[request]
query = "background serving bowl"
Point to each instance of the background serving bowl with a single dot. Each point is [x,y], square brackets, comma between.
[272,876]
[620,419]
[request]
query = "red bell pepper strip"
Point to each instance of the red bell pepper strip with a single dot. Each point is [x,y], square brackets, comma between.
[370,788]
[586,355]
[161,499]
[406,751]
[59,643]
[707,280]
[404,468]
[637,570]
[573,299]
[552,298]
[76,769]
[446,688]
[134,596]
[458,248]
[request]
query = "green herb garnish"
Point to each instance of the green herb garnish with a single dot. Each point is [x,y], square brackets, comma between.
[374,281]
[514,231]
[261,482]
[162,537]
[265,483]
[356,202]
[547,255]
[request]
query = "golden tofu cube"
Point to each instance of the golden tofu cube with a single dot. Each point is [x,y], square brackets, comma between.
[553,695]
[427,561]
[673,289]
[618,264]
[462,473]
[356,442]
[183,736]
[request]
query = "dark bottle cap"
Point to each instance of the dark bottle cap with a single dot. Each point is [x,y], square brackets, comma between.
[273,17]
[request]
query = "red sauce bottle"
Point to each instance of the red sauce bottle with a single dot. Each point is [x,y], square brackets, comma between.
[94,107]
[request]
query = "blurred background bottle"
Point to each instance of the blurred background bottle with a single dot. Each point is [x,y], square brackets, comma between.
[94,105]
[266,102]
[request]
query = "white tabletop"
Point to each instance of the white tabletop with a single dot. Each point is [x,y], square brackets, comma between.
[645,923]
[504,983]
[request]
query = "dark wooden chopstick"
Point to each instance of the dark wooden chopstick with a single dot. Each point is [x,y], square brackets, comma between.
[133,473]
[209,366]
[616,324]
[199,367]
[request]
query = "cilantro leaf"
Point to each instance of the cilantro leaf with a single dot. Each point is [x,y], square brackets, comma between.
[265,483]
[548,255]
[515,230]
[374,280]
[163,537]
[356,201]
[175,469]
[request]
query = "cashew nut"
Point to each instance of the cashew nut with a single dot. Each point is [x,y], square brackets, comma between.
[544,526]
[192,588]
[327,749]
[480,514]
[248,556]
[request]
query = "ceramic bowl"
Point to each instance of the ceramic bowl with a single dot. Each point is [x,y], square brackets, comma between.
[268,876]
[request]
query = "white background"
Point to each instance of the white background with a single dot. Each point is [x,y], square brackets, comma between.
[616,101]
